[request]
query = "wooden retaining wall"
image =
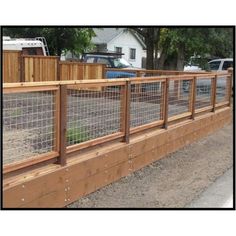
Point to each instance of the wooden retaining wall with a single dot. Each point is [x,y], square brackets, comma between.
[54,186]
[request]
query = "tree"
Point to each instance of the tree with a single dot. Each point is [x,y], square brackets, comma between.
[76,40]
[150,35]
[179,44]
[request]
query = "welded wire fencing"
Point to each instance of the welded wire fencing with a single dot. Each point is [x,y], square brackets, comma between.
[179,97]
[28,125]
[145,103]
[222,89]
[93,114]
[98,112]
[204,92]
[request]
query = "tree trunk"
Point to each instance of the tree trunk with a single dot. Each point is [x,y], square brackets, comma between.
[161,61]
[149,40]
[180,59]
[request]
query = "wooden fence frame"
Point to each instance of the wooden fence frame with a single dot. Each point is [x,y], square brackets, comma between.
[60,153]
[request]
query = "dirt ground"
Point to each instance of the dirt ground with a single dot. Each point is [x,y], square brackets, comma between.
[171,182]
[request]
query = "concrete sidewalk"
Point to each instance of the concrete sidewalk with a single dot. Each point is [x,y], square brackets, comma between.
[217,195]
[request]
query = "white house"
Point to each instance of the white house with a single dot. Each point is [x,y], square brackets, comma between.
[121,40]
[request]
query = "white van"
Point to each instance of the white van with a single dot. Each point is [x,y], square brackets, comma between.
[34,46]
[221,64]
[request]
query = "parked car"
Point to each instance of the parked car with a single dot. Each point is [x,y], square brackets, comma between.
[111,60]
[220,64]
[204,85]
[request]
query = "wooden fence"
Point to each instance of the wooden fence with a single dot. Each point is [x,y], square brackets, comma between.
[25,68]
[81,71]
[39,68]
[11,66]
[117,111]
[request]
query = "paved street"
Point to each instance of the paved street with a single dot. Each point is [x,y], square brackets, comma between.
[218,194]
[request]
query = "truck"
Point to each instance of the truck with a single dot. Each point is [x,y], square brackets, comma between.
[111,60]
[28,46]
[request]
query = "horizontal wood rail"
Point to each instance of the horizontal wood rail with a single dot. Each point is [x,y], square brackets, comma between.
[220,104]
[39,56]
[204,109]
[29,162]
[154,124]
[178,117]
[91,143]
[79,63]
[101,82]
[25,89]
[162,72]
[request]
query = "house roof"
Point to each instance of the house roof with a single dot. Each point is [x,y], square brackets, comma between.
[105,35]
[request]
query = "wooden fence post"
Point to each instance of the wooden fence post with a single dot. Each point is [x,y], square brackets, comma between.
[193,97]
[230,78]
[162,101]
[63,118]
[22,67]
[166,101]
[126,111]
[58,69]
[214,84]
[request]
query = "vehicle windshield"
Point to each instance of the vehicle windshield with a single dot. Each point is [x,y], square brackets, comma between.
[121,63]
[214,65]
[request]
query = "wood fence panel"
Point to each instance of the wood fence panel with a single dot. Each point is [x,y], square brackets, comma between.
[11,66]
[81,71]
[40,68]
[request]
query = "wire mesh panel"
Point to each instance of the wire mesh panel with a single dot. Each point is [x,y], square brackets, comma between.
[145,104]
[203,92]
[28,125]
[222,89]
[179,97]
[93,114]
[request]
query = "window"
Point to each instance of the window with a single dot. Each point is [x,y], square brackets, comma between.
[227,64]
[104,61]
[132,54]
[214,65]
[89,59]
[118,50]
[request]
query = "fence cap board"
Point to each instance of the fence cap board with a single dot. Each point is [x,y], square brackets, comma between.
[64,82]
[40,56]
[80,63]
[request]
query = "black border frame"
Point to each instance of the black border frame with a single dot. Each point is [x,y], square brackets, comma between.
[125,26]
